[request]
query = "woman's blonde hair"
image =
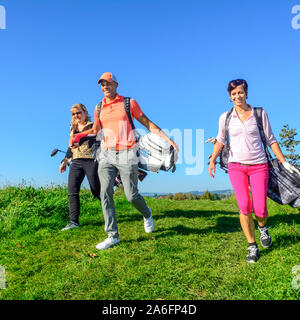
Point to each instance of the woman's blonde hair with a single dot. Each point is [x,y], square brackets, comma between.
[79,106]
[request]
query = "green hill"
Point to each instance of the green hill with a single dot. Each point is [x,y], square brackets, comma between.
[197,250]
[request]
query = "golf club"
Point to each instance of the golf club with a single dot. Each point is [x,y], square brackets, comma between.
[54,152]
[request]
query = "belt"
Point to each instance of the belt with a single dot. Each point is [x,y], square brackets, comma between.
[116,149]
[243,164]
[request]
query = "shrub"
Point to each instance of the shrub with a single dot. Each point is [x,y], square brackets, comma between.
[179,196]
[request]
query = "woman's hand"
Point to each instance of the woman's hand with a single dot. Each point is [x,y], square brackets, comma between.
[218,146]
[212,168]
[62,167]
[71,141]
[290,168]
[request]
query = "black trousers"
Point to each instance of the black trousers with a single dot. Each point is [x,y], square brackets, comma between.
[78,170]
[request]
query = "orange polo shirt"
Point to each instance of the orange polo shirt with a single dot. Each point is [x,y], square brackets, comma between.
[114,121]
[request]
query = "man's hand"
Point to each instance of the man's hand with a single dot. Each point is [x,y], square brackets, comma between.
[174,145]
[71,146]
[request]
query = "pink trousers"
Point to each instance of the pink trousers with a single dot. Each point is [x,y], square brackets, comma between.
[257,177]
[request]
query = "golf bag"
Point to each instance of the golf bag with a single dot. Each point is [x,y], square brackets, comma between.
[156,154]
[284,187]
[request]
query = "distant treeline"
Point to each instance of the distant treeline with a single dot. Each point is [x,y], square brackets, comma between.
[184,196]
[190,196]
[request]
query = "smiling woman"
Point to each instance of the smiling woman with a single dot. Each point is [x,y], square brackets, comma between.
[247,163]
[83,164]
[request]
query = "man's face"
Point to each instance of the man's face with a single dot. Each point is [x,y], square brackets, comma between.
[109,89]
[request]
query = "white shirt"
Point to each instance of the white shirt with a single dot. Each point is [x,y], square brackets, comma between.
[245,142]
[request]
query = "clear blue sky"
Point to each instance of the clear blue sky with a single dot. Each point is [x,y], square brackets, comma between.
[174,57]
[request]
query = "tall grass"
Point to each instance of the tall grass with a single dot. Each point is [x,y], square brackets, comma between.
[197,250]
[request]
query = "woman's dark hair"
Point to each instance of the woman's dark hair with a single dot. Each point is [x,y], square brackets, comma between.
[235,83]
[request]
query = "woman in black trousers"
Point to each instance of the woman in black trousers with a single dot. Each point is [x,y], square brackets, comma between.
[83,164]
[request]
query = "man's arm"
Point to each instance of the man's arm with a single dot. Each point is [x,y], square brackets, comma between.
[152,127]
[94,130]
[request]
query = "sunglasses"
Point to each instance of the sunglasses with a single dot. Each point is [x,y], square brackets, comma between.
[76,113]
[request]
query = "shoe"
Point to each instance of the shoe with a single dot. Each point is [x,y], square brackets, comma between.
[265,238]
[252,255]
[107,243]
[149,223]
[70,225]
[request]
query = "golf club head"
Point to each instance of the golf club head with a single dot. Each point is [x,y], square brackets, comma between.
[211,140]
[54,152]
[142,174]
[174,168]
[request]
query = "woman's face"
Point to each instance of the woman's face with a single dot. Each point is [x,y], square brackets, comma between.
[79,115]
[238,96]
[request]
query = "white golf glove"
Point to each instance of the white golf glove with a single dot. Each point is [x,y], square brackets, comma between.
[212,140]
[290,168]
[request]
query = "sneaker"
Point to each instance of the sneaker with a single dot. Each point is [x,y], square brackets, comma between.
[107,243]
[265,238]
[252,255]
[70,225]
[149,223]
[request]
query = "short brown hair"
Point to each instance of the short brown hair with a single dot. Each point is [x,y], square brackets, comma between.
[235,83]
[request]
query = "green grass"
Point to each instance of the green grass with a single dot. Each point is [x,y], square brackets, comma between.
[197,250]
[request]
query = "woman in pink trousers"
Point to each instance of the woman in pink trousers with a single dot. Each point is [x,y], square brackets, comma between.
[247,164]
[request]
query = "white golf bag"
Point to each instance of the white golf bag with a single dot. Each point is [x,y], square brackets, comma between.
[156,153]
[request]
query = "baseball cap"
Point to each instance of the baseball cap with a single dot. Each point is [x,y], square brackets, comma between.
[108,76]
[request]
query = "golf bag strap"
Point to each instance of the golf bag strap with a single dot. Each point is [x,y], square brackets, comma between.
[227,120]
[127,109]
[98,112]
[258,117]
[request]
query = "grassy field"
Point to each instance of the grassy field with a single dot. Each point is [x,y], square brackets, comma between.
[197,250]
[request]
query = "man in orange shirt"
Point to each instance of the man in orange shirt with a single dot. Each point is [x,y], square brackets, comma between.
[120,154]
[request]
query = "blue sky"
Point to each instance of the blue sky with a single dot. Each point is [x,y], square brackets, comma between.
[174,57]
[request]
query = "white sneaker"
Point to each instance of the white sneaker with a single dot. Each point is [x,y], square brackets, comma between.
[70,225]
[149,223]
[107,243]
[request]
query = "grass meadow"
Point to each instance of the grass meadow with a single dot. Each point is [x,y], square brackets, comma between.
[196,252]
